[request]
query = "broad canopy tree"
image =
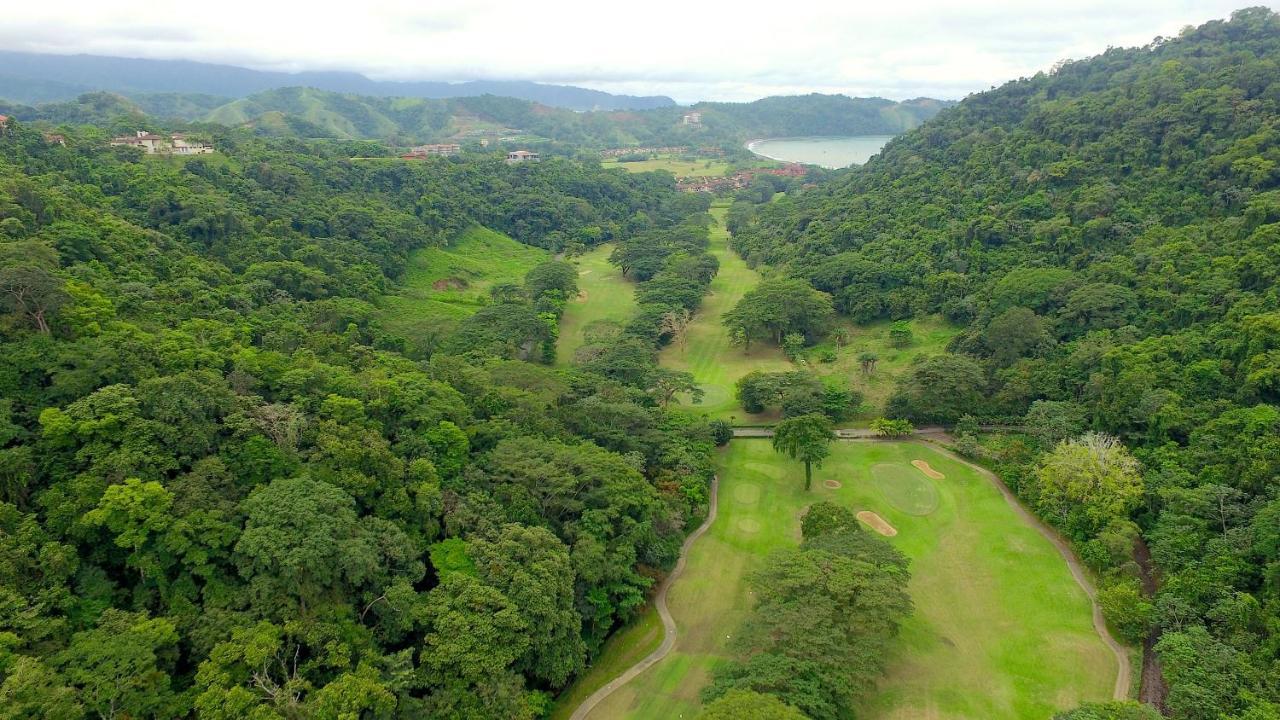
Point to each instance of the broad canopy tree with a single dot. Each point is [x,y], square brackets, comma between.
[806,438]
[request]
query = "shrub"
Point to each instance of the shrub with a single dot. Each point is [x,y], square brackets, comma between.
[721,432]
[900,334]
[887,427]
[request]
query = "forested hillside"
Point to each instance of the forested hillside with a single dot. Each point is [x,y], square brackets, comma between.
[225,492]
[311,113]
[1109,234]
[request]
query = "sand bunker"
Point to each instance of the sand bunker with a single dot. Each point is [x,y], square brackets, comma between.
[585,272]
[877,523]
[923,467]
[833,484]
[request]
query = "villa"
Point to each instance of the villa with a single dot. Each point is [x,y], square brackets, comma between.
[176,144]
[519,156]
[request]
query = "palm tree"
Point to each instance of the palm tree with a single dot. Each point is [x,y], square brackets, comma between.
[805,438]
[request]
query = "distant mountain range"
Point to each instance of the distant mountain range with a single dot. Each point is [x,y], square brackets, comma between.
[38,78]
[312,113]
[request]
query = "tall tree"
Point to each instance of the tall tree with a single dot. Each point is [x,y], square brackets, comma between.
[806,438]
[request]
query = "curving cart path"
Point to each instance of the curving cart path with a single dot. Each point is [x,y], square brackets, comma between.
[1123,670]
[660,602]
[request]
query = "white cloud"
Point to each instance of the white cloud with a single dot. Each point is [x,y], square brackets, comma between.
[684,48]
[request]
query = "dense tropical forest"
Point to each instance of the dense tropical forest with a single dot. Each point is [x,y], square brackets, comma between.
[311,113]
[225,489]
[233,485]
[1108,236]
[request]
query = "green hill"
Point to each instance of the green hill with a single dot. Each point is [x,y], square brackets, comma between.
[308,112]
[351,116]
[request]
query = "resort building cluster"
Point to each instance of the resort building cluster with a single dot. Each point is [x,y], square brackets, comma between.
[738,180]
[175,144]
[436,150]
[622,152]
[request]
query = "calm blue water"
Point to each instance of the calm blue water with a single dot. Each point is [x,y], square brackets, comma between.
[828,152]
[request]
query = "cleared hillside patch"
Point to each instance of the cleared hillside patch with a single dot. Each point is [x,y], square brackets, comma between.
[442,285]
[930,336]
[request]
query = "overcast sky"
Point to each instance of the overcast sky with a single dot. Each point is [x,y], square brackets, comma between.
[687,49]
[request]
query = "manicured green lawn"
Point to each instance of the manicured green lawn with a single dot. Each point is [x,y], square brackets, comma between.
[675,166]
[443,285]
[1000,629]
[707,353]
[605,295]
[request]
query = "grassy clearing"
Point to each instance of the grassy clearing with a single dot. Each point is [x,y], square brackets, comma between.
[605,295]
[1000,629]
[675,166]
[930,336]
[707,353]
[445,284]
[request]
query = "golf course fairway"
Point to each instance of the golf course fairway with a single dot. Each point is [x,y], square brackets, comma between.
[1000,628]
[707,352]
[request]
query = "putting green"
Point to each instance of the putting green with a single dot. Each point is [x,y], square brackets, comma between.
[1000,628]
[905,488]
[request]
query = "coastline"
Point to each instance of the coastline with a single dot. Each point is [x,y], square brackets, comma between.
[826,159]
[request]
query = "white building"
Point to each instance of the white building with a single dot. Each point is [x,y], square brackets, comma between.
[440,150]
[519,156]
[181,146]
[693,118]
[175,144]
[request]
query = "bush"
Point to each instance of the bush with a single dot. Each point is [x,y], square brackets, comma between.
[890,428]
[721,432]
[967,445]
[1126,609]
[900,334]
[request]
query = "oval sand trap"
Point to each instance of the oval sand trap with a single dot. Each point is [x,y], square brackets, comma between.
[833,484]
[747,494]
[877,523]
[923,466]
[905,489]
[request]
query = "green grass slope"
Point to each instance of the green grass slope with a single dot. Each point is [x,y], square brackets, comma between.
[445,284]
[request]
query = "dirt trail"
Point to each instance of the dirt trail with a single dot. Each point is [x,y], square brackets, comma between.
[668,624]
[1153,690]
[1123,672]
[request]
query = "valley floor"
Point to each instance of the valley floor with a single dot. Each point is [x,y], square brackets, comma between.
[1000,630]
